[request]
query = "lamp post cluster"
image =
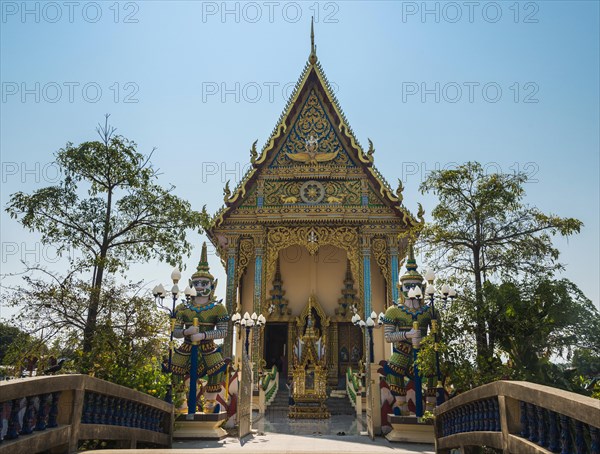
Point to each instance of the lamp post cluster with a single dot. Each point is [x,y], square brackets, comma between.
[160,293]
[373,321]
[415,296]
[248,322]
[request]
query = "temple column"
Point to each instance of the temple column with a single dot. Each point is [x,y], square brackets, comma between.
[393,251]
[366,269]
[333,353]
[257,301]
[231,292]
[394,270]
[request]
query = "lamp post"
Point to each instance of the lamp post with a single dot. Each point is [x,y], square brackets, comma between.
[160,293]
[248,322]
[373,321]
[416,296]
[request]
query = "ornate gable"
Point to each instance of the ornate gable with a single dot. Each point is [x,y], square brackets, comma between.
[312,169]
[312,142]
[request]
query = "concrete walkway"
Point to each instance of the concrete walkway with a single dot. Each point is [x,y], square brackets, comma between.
[276,433]
[284,443]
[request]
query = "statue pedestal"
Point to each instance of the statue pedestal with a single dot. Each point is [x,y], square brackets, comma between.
[407,429]
[207,426]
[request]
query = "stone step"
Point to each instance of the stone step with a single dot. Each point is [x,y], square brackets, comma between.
[337,402]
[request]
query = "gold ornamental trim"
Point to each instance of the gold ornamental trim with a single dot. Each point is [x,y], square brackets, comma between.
[312,237]
[246,254]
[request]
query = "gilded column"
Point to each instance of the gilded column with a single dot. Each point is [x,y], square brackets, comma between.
[334,353]
[291,338]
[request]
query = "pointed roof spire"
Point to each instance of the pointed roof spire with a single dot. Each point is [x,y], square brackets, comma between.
[411,266]
[312,59]
[411,262]
[203,268]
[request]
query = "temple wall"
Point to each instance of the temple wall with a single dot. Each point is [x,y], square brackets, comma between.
[322,274]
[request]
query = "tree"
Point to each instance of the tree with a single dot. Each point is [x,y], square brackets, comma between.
[130,333]
[8,334]
[483,230]
[541,321]
[110,207]
[587,361]
[22,351]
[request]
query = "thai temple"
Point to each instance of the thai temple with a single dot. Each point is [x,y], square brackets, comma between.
[312,218]
[319,248]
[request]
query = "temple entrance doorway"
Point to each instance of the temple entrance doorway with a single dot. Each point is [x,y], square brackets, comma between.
[350,347]
[276,336]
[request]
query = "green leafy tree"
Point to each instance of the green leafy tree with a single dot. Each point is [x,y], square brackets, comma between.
[129,339]
[483,230]
[587,361]
[109,207]
[539,322]
[25,353]
[8,335]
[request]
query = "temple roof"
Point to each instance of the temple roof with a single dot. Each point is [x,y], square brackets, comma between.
[294,153]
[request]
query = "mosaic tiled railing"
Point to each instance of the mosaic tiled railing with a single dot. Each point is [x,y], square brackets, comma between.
[68,406]
[482,415]
[519,417]
[112,411]
[557,432]
[23,416]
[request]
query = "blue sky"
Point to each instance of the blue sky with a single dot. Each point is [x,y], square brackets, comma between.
[513,85]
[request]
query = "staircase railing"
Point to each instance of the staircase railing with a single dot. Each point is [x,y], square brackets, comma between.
[268,388]
[56,412]
[519,417]
[353,390]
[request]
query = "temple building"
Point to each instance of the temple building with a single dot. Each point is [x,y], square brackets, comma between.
[312,220]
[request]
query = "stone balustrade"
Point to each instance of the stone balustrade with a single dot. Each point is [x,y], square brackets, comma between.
[519,417]
[55,413]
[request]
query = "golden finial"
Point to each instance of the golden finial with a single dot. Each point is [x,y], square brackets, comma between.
[313,49]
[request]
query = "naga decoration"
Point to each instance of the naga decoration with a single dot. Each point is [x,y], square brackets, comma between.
[371,150]
[253,152]
[226,192]
[399,192]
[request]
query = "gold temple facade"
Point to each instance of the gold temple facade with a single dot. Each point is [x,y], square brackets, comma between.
[312,217]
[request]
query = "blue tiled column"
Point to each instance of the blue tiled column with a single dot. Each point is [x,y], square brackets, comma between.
[366,254]
[394,271]
[258,271]
[257,303]
[230,299]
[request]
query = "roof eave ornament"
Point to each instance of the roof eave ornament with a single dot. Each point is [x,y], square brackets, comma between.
[312,59]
